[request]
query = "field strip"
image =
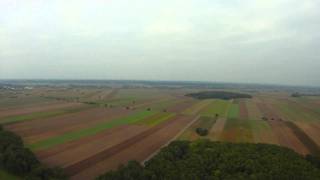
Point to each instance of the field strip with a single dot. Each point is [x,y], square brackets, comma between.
[138,151]
[243,111]
[304,138]
[156,119]
[285,135]
[174,138]
[66,121]
[25,111]
[148,103]
[217,129]
[70,136]
[79,166]
[61,148]
[86,147]
[196,108]
[41,115]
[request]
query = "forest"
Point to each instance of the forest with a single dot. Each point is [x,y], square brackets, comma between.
[204,159]
[20,161]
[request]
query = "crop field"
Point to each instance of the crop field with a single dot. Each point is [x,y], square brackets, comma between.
[88,131]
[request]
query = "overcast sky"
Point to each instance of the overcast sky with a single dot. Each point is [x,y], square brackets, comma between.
[261,41]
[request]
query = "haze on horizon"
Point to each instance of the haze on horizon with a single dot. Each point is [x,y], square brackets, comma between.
[262,41]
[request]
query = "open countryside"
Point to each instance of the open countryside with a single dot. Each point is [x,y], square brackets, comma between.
[89,130]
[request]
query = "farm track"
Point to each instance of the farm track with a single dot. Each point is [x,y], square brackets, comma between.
[243,111]
[137,149]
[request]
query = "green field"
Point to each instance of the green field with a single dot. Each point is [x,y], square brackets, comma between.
[196,108]
[156,119]
[237,130]
[218,106]
[74,135]
[233,111]
[295,112]
[203,122]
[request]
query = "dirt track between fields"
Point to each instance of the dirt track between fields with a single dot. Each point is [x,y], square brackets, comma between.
[243,111]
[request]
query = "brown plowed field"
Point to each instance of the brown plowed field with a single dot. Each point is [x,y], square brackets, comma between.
[47,107]
[285,135]
[90,146]
[138,148]
[44,128]
[181,106]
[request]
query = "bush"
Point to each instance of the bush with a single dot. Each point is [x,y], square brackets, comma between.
[19,161]
[132,171]
[8,139]
[315,160]
[202,131]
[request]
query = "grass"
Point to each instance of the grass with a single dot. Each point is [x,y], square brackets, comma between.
[203,122]
[218,106]
[74,135]
[197,107]
[294,112]
[6,176]
[233,111]
[156,119]
[253,110]
[237,130]
[262,132]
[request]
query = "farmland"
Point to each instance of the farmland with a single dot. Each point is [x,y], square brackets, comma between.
[89,130]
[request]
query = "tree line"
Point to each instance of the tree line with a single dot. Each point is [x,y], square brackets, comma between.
[218,95]
[204,160]
[20,161]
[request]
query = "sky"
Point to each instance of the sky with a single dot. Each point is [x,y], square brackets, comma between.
[241,41]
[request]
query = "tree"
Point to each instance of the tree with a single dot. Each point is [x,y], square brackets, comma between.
[19,160]
[8,139]
[202,131]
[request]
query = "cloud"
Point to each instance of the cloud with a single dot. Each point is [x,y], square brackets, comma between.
[224,40]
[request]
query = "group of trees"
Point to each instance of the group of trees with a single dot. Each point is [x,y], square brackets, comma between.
[218,95]
[20,161]
[204,159]
[202,131]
